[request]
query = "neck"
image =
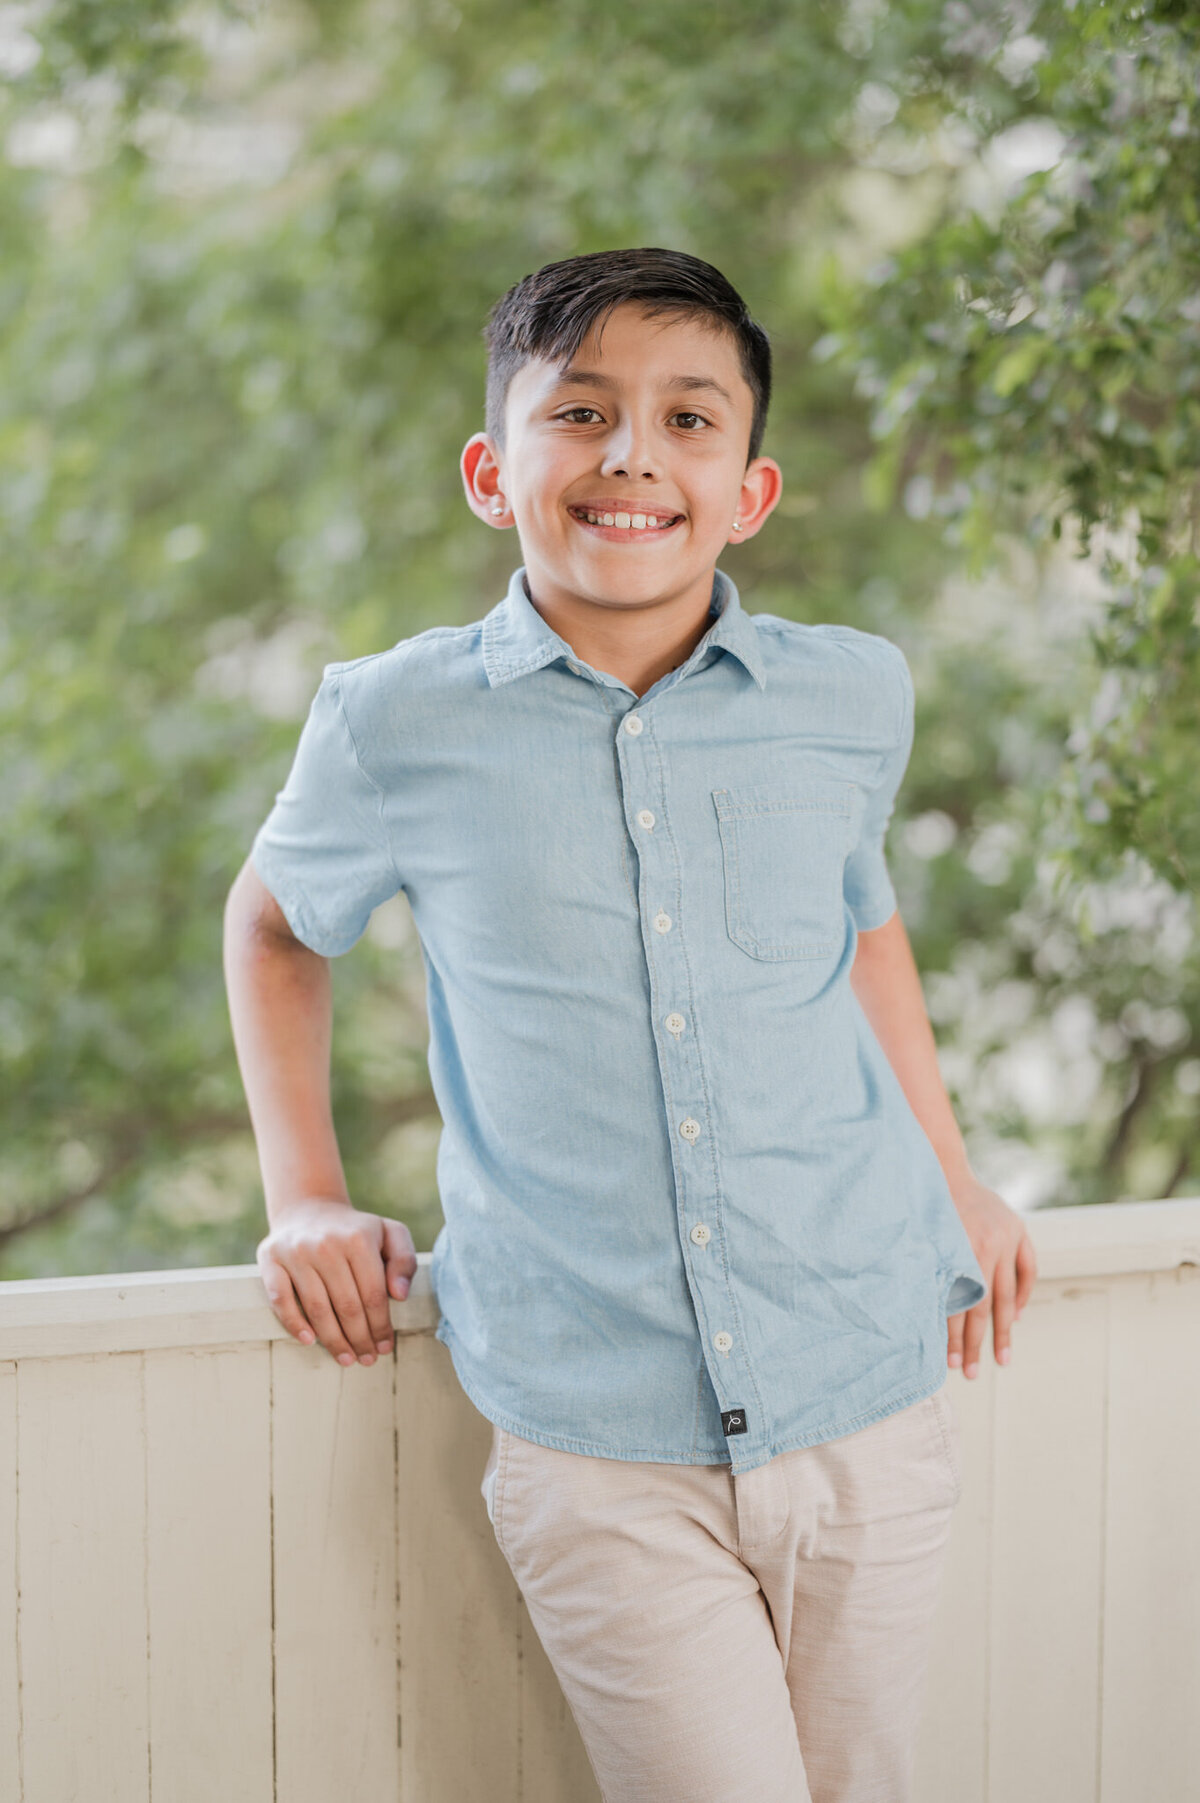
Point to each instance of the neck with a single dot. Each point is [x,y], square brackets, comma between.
[636,642]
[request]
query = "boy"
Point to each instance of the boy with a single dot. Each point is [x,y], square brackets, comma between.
[707,1212]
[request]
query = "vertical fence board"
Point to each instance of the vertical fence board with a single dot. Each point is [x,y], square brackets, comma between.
[951,1757]
[1048,1551]
[1151,1697]
[333,1503]
[82,1525]
[460,1681]
[10,1690]
[209,1574]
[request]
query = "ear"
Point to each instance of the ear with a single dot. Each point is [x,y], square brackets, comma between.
[482,466]
[761,488]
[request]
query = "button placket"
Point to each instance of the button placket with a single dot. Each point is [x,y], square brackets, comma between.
[680,1063]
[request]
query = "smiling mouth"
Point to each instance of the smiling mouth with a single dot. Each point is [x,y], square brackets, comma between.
[622,524]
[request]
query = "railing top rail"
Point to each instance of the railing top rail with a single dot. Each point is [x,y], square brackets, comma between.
[225,1304]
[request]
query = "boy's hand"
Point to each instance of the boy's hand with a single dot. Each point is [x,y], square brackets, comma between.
[1009,1265]
[329,1270]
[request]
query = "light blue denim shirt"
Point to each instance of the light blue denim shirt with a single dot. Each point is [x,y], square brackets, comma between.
[690,1215]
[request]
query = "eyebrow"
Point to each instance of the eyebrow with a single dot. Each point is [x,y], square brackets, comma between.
[591,378]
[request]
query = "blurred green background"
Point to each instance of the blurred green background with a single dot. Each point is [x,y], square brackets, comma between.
[246,254]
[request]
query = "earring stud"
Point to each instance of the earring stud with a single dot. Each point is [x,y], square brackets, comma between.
[498,507]
[737,525]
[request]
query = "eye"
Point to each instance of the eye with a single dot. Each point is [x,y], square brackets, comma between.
[572,413]
[691,420]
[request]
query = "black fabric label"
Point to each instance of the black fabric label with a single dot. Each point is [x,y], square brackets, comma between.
[733,1421]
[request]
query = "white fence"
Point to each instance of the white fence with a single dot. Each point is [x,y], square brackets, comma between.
[230,1569]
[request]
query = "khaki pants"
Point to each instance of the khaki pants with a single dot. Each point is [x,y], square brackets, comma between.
[752,1639]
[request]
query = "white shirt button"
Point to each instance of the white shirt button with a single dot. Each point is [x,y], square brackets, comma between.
[575,670]
[645,818]
[632,724]
[701,1234]
[723,1341]
[690,1130]
[662,922]
[675,1024]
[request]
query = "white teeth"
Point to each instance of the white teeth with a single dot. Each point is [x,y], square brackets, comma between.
[626,521]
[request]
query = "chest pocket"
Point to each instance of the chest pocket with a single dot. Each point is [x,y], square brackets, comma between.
[784,850]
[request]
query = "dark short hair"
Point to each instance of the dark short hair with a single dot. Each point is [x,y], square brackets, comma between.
[549,314]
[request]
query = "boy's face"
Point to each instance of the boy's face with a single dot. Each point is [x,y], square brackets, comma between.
[651,421]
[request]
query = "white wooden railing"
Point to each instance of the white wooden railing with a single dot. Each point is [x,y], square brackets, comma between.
[230,1569]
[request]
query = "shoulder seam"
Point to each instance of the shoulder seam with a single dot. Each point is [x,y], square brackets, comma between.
[337,668]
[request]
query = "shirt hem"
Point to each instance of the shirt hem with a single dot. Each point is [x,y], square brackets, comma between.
[892,1406]
[558,1442]
[921,1387]
[294,908]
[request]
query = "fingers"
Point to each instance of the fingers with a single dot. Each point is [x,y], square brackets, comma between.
[368,1299]
[399,1258]
[1004,1307]
[954,1340]
[1026,1271]
[970,1326]
[282,1297]
[327,1278]
[330,1295]
[1011,1278]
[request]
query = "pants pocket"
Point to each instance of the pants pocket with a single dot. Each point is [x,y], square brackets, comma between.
[487,1487]
[946,1418]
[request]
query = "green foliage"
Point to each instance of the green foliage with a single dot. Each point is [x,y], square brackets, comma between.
[1040,361]
[248,256]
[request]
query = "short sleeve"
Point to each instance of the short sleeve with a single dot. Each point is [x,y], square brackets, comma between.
[866,882]
[323,850]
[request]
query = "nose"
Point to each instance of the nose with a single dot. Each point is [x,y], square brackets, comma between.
[630,451]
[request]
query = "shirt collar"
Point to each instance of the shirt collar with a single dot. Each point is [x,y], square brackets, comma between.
[517,640]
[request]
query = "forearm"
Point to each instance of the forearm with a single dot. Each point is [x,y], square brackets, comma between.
[281,1009]
[886,982]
